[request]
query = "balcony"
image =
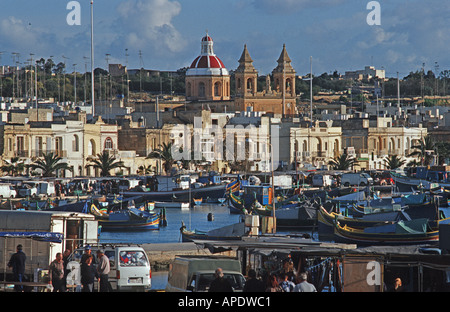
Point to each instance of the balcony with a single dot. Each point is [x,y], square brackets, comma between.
[41,153]
[21,153]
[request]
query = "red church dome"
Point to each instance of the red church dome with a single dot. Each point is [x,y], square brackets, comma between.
[207,63]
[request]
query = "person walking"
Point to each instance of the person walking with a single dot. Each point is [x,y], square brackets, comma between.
[17,264]
[88,275]
[303,285]
[56,274]
[103,269]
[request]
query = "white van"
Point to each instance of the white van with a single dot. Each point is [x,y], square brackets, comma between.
[195,273]
[130,267]
[322,180]
[350,179]
[7,191]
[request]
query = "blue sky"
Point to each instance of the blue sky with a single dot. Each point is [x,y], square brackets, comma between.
[168,32]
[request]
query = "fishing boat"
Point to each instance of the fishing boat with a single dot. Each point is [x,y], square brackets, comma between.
[327,220]
[130,219]
[198,201]
[212,192]
[230,232]
[417,231]
[178,205]
[252,195]
[423,179]
[297,215]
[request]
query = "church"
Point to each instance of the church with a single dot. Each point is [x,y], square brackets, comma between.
[208,83]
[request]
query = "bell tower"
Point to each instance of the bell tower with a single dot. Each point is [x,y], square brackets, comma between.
[284,75]
[246,76]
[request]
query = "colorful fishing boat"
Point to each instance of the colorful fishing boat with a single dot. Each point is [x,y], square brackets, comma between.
[327,220]
[417,231]
[198,201]
[131,219]
[252,197]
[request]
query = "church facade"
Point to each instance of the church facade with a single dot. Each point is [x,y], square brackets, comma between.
[281,99]
[208,81]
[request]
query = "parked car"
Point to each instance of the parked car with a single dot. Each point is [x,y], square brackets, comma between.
[7,190]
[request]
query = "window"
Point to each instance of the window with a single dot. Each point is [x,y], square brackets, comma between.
[132,258]
[76,143]
[217,88]
[109,143]
[201,89]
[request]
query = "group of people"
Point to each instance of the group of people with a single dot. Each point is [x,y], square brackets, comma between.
[58,270]
[283,282]
[276,283]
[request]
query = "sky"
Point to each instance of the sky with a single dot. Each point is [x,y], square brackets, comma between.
[166,34]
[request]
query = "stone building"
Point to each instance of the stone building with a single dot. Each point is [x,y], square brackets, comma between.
[315,145]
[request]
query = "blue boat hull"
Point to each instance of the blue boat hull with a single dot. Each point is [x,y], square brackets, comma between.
[131,220]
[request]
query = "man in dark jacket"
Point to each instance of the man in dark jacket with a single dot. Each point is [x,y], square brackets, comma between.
[253,284]
[88,275]
[220,284]
[17,263]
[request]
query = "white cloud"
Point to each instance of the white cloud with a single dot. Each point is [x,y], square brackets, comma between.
[149,23]
[14,32]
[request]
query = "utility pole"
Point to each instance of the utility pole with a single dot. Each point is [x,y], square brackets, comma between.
[75,84]
[1,76]
[85,76]
[128,79]
[35,84]
[142,67]
[64,79]
[311,90]
[92,59]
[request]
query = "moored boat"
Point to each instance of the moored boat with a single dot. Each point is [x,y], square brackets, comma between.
[231,232]
[131,219]
[417,231]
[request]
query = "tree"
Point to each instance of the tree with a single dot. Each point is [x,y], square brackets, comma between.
[443,151]
[165,154]
[343,162]
[393,162]
[49,164]
[424,150]
[13,166]
[105,163]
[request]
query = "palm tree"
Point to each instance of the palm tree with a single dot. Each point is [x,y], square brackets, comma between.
[105,163]
[424,150]
[49,164]
[165,154]
[443,151]
[393,162]
[343,162]
[13,166]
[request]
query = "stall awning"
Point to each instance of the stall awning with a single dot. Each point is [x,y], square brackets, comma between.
[40,236]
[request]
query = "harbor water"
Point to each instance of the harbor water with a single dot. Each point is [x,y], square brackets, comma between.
[195,218]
